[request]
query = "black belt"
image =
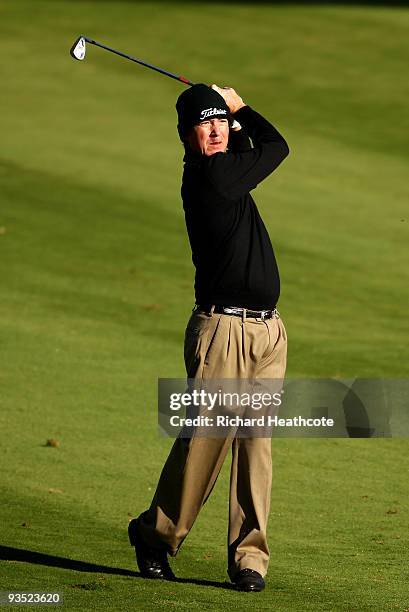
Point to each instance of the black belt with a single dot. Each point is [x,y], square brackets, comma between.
[235,311]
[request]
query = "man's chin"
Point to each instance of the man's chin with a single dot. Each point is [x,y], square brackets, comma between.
[212,149]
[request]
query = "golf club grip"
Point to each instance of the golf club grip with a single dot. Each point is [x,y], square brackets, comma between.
[182,79]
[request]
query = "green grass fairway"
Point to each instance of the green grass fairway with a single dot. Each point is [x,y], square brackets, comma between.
[96,288]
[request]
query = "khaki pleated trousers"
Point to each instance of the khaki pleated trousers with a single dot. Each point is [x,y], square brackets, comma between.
[221,346]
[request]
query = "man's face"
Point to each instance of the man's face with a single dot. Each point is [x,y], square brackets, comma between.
[210,136]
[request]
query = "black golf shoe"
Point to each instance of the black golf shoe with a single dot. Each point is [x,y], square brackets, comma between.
[152,562]
[249,580]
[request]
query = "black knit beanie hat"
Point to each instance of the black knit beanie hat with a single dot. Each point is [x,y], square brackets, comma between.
[198,103]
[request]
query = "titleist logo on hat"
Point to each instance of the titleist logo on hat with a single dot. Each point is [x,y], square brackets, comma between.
[209,112]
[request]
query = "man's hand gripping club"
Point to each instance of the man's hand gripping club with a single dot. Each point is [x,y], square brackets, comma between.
[233,101]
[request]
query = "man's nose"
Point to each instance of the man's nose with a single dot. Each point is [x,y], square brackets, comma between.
[215,128]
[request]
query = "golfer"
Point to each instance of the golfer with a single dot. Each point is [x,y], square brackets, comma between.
[235,330]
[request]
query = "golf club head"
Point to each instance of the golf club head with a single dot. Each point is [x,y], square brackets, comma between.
[78,49]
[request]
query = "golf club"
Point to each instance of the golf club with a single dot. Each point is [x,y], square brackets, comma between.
[79,49]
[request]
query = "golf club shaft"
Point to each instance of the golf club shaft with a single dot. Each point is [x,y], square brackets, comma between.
[133,59]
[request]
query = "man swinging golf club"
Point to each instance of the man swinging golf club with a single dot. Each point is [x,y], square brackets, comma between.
[235,330]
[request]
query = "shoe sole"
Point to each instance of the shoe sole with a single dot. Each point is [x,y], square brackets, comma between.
[249,589]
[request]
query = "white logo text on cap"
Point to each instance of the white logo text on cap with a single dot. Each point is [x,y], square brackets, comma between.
[209,112]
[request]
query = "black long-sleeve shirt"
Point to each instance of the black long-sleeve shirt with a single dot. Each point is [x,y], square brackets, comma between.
[231,249]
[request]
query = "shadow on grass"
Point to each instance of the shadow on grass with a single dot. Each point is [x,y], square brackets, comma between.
[7,553]
[28,556]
